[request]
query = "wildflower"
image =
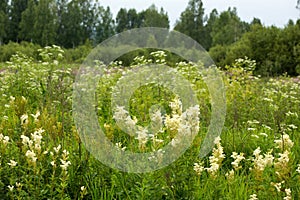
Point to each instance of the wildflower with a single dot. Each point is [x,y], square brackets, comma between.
[230,175]
[284,143]
[198,168]
[18,184]
[142,137]
[281,166]
[5,140]
[12,163]
[35,117]
[119,146]
[298,169]
[288,194]
[261,162]
[175,142]
[263,134]
[216,158]
[31,155]
[277,185]
[53,163]
[24,119]
[56,149]
[253,197]
[11,187]
[237,159]
[64,164]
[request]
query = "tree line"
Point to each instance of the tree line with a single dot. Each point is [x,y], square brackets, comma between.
[70,23]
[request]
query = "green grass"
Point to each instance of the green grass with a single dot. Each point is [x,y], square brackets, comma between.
[259,111]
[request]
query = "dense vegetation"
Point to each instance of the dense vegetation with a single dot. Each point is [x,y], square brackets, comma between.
[74,23]
[43,157]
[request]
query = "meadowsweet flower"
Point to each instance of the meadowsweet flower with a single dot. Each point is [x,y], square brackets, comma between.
[216,158]
[288,194]
[35,117]
[230,175]
[11,187]
[56,149]
[298,168]
[24,119]
[284,142]
[31,155]
[237,159]
[65,164]
[53,163]
[172,122]
[18,184]
[142,137]
[277,185]
[281,166]
[261,162]
[253,197]
[198,168]
[12,163]
[25,140]
[5,140]
[119,146]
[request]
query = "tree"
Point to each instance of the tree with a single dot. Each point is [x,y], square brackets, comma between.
[27,22]
[45,23]
[121,21]
[191,21]
[105,25]
[152,18]
[207,42]
[17,8]
[3,20]
[228,28]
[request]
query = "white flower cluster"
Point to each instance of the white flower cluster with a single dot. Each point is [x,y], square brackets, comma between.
[4,139]
[33,145]
[216,158]
[284,143]
[65,163]
[237,159]
[198,168]
[260,161]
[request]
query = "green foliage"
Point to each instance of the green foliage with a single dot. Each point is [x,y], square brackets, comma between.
[43,157]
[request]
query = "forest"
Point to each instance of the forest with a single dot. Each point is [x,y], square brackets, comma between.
[26,25]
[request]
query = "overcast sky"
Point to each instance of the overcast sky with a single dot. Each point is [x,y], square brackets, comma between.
[271,12]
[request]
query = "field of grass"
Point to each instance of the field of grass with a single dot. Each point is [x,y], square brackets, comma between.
[42,155]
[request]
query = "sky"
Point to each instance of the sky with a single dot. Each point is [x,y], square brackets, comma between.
[270,12]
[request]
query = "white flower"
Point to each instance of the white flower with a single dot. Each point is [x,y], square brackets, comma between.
[253,197]
[31,155]
[5,140]
[25,140]
[288,194]
[284,142]
[11,187]
[298,169]
[12,163]
[36,116]
[53,163]
[277,185]
[24,119]
[198,168]
[82,188]
[237,159]
[18,184]
[64,164]
[56,149]
[230,175]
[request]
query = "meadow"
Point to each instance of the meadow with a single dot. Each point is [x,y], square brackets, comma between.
[42,155]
